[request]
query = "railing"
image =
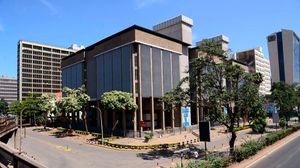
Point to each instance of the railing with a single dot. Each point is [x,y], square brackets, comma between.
[7,124]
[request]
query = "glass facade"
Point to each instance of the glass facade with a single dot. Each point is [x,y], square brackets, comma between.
[165,70]
[114,70]
[72,76]
[296,47]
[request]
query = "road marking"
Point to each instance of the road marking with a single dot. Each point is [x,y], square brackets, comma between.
[275,149]
[59,147]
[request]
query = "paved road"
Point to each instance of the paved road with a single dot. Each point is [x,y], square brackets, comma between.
[285,157]
[57,153]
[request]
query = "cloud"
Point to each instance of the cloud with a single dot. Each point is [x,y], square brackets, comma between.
[143,3]
[49,5]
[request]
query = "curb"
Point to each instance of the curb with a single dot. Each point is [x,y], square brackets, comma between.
[125,147]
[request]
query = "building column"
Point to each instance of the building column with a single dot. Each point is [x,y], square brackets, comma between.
[163,117]
[152,114]
[134,56]
[163,123]
[172,86]
[140,89]
[152,98]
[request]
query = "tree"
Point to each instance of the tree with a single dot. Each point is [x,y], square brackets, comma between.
[47,106]
[210,51]
[251,103]
[222,85]
[297,101]
[118,101]
[31,106]
[3,106]
[75,100]
[284,96]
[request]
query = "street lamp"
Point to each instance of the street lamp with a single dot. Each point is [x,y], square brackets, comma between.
[21,127]
[100,121]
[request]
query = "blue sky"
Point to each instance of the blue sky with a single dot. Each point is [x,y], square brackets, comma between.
[63,22]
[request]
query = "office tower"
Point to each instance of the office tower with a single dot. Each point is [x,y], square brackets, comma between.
[284,54]
[254,58]
[8,89]
[39,68]
[137,60]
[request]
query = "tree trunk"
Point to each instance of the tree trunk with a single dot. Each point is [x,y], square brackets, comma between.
[124,122]
[46,119]
[34,119]
[70,121]
[298,113]
[85,120]
[286,119]
[231,142]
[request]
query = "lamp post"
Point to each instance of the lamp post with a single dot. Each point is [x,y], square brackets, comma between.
[21,128]
[99,110]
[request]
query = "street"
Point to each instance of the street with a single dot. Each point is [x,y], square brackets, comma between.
[285,157]
[57,152]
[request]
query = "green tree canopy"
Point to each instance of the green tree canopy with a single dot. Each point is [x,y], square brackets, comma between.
[118,101]
[75,100]
[3,106]
[284,95]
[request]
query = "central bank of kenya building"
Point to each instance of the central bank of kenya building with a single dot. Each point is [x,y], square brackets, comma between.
[143,62]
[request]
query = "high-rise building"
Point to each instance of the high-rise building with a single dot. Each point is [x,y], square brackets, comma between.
[284,54]
[39,68]
[256,62]
[8,89]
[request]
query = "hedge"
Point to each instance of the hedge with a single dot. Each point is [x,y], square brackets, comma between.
[251,147]
[244,151]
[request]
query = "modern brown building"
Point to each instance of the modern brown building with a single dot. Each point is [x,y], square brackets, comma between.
[39,68]
[137,60]
[8,89]
[284,54]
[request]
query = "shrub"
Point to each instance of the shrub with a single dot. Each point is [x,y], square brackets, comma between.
[148,136]
[248,149]
[215,162]
[282,123]
[258,125]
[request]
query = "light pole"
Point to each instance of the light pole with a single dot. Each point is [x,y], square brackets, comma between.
[21,128]
[100,121]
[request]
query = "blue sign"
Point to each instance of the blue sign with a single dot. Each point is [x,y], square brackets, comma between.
[186,116]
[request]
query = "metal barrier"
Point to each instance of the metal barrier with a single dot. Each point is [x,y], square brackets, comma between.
[9,156]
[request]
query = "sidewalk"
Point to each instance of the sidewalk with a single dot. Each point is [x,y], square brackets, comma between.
[170,138]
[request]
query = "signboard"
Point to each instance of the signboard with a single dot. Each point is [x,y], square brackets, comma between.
[271,108]
[275,117]
[186,116]
[143,124]
[204,131]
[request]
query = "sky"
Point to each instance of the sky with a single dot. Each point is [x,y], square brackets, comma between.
[84,22]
